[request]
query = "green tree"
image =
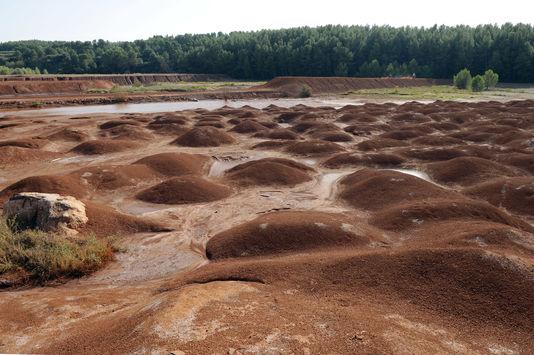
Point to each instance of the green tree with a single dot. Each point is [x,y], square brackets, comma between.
[491,78]
[478,83]
[463,79]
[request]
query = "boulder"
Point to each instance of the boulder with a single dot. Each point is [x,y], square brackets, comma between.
[46,212]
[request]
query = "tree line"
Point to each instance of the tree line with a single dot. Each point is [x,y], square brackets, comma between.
[438,52]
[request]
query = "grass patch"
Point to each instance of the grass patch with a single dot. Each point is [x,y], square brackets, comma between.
[37,257]
[175,87]
[437,92]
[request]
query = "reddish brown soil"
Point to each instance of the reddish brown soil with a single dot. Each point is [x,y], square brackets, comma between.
[279,133]
[24,143]
[283,232]
[270,171]
[298,248]
[176,164]
[104,147]
[204,137]
[51,87]
[183,190]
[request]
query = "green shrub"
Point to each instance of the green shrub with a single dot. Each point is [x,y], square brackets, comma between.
[478,84]
[37,257]
[305,91]
[491,79]
[463,79]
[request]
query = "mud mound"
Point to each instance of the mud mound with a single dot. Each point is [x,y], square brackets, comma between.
[373,190]
[176,164]
[519,160]
[380,143]
[292,85]
[314,147]
[353,159]
[116,123]
[302,127]
[63,185]
[350,117]
[434,140]
[204,137]
[105,221]
[209,123]
[437,154]
[95,147]
[269,171]
[169,123]
[127,132]
[415,214]
[467,170]
[248,126]
[113,177]
[16,155]
[25,143]
[333,136]
[401,134]
[284,232]
[183,190]
[514,194]
[279,133]
[275,145]
[69,135]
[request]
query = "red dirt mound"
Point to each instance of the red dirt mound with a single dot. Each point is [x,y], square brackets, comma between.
[274,145]
[292,85]
[433,154]
[116,123]
[63,185]
[519,160]
[514,194]
[434,140]
[16,155]
[377,189]
[401,134]
[467,170]
[279,133]
[314,147]
[52,86]
[25,143]
[113,177]
[169,123]
[104,147]
[204,137]
[380,143]
[183,190]
[106,221]
[269,171]
[127,132]
[415,214]
[333,136]
[176,164]
[353,159]
[248,126]
[69,135]
[284,232]
[306,126]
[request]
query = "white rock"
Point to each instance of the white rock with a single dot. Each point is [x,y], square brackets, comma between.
[46,212]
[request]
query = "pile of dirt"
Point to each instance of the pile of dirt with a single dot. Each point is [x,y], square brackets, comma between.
[127,132]
[373,190]
[333,136]
[292,85]
[431,154]
[101,146]
[314,147]
[51,87]
[343,160]
[272,145]
[176,164]
[248,126]
[184,190]
[380,143]
[519,160]
[285,232]
[278,133]
[169,124]
[64,185]
[69,135]
[30,143]
[467,171]
[105,221]
[204,137]
[269,171]
[514,194]
[16,155]
[404,216]
[111,177]
[401,134]
[117,123]
[435,140]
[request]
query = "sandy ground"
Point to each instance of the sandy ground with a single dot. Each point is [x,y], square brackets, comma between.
[163,295]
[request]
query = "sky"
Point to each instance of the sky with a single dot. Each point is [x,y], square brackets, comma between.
[121,20]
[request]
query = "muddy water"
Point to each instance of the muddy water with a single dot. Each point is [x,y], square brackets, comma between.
[177,106]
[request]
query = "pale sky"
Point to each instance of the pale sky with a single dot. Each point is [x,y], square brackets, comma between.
[118,20]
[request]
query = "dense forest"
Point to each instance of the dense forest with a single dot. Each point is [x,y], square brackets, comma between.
[438,51]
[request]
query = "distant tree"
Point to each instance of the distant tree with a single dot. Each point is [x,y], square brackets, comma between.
[491,78]
[478,83]
[463,79]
